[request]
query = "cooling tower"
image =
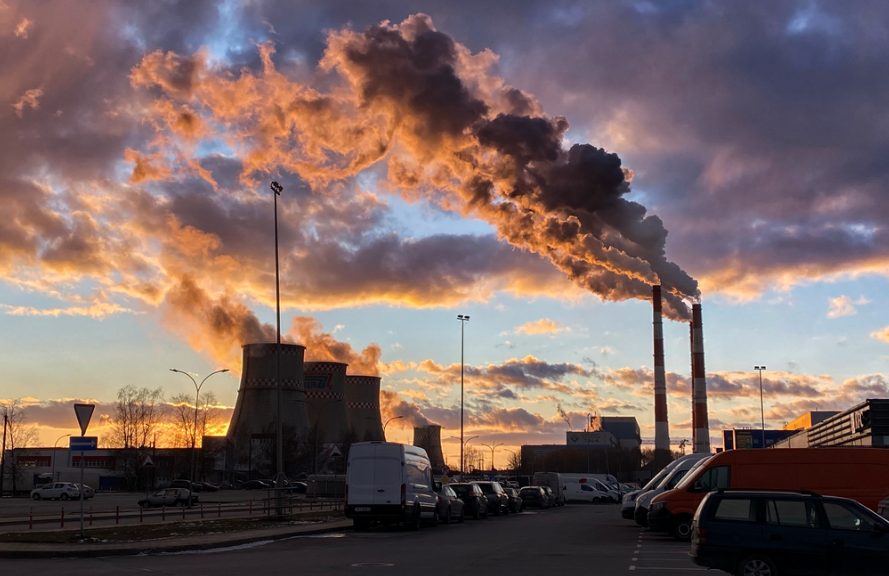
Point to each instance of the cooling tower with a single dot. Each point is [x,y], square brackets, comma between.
[251,432]
[362,398]
[701,420]
[429,438]
[325,389]
[661,424]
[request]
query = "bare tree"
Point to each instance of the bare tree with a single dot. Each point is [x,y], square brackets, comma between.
[515,461]
[18,435]
[137,415]
[182,417]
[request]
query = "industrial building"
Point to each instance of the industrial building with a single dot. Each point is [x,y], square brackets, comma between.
[865,424]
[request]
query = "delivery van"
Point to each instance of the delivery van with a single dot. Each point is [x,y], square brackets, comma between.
[861,474]
[684,465]
[389,483]
[554,481]
[586,488]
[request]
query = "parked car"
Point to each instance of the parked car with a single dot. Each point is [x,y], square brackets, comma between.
[534,497]
[498,501]
[475,500]
[187,484]
[550,496]
[170,497]
[515,501]
[88,491]
[450,507]
[255,485]
[205,487]
[297,487]
[56,491]
[855,472]
[767,533]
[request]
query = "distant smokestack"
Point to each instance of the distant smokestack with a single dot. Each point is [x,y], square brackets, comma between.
[661,424]
[251,432]
[699,383]
[691,380]
[325,391]
[363,408]
[429,438]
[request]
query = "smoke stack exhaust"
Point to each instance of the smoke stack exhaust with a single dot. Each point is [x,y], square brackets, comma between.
[699,384]
[661,424]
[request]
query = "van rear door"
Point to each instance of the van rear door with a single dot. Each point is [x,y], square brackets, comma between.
[388,474]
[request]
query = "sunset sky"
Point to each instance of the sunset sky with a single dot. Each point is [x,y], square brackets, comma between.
[535,165]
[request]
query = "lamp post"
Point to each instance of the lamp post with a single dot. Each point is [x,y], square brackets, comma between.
[197,395]
[463,445]
[387,423]
[56,443]
[279,436]
[463,318]
[762,412]
[492,447]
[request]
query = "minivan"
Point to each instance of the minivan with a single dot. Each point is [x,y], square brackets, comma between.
[768,532]
[859,473]
[389,483]
[628,502]
[684,465]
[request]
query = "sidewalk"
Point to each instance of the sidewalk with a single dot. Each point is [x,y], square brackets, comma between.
[172,544]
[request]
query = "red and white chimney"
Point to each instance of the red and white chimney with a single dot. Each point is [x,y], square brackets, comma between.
[661,424]
[699,384]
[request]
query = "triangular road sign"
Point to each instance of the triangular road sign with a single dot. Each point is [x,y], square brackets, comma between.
[84,412]
[148,462]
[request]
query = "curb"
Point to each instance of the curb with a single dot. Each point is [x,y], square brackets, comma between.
[44,551]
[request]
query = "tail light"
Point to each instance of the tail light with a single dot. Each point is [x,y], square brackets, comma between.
[403,494]
[698,534]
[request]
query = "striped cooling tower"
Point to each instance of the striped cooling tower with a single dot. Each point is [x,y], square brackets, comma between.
[251,431]
[325,399]
[362,398]
[429,438]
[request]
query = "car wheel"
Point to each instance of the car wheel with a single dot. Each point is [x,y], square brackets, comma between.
[756,565]
[416,520]
[35,496]
[682,528]
[447,518]
[64,496]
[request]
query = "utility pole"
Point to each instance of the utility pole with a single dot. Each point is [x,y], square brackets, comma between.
[279,439]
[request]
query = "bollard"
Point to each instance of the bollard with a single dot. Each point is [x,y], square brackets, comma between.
[250,508]
[62,518]
[30,518]
[183,512]
[202,511]
[219,510]
[91,516]
[163,513]
[117,514]
[140,514]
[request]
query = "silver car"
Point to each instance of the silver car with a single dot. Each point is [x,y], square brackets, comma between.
[56,491]
[169,497]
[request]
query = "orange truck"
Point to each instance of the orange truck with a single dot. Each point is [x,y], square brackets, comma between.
[852,472]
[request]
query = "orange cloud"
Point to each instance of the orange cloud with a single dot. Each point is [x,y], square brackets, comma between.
[542,326]
[882,334]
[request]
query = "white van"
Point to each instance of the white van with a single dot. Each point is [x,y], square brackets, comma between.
[555,483]
[587,488]
[389,483]
[628,504]
[684,465]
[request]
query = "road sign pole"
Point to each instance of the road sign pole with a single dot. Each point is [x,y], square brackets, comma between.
[81,496]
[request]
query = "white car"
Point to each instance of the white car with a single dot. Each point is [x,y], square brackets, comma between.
[56,491]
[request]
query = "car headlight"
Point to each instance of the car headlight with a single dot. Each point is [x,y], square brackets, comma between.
[657,506]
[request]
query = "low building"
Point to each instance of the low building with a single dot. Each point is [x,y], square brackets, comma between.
[866,424]
[809,419]
[752,438]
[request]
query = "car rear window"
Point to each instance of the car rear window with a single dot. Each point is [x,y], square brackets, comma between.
[791,513]
[737,509]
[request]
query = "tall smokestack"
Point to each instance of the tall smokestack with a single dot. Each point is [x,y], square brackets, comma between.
[699,384]
[661,424]
[691,379]
[325,391]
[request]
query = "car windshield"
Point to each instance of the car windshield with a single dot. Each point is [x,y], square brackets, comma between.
[486,487]
[653,483]
[692,472]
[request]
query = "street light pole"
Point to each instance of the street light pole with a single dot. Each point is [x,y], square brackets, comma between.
[463,318]
[279,437]
[387,423]
[762,412]
[54,445]
[492,447]
[462,446]
[194,429]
